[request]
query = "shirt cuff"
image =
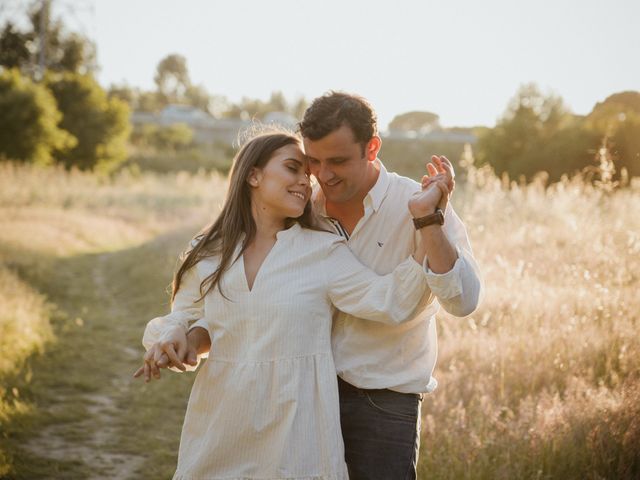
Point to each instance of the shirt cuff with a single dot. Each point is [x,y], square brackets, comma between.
[157,328]
[449,284]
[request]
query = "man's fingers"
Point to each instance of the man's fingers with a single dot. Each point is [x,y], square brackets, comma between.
[443,187]
[169,351]
[147,372]
[432,170]
[192,357]
[163,362]
[163,356]
[448,171]
[182,352]
[138,372]
[442,204]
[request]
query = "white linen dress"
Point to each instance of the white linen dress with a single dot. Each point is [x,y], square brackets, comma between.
[265,404]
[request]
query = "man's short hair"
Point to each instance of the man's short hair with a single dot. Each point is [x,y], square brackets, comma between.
[335,109]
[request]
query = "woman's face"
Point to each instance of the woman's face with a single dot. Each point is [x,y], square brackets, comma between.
[281,188]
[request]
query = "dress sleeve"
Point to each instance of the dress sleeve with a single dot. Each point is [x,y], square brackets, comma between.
[187,308]
[357,290]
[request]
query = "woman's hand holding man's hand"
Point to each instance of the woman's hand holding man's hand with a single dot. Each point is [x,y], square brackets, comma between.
[173,350]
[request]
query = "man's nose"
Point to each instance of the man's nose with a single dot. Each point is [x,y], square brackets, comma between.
[324,174]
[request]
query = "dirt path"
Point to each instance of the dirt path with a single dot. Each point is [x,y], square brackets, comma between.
[94,421]
[90,437]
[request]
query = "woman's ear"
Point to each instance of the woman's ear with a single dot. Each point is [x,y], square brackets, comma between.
[254,177]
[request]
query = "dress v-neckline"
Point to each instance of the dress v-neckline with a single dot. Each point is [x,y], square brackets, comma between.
[251,288]
[279,237]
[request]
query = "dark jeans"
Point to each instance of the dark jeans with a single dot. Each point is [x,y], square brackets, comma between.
[381,431]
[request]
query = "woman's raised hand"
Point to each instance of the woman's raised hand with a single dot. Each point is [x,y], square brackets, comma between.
[437,186]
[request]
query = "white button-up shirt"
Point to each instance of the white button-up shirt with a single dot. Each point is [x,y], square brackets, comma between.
[399,357]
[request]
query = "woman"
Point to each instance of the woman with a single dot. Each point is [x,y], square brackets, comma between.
[259,285]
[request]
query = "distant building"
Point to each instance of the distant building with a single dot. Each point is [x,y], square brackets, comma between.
[209,129]
[206,128]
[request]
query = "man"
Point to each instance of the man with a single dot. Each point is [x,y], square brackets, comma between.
[383,370]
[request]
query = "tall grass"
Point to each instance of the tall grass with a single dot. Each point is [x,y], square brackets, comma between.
[542,382]
[47,214]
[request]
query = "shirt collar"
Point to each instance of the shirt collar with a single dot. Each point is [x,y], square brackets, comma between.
[374,197]
[379,190]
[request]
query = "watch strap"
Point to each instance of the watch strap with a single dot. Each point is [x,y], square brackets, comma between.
[436,218]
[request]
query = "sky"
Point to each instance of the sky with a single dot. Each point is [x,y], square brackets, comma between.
[461,59]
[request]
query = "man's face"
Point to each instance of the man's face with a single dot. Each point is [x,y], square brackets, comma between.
[339,164]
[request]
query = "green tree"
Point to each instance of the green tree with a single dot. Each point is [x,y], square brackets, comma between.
[123,92]
[423,122]
[617,120]
[255,108]
[173,137]
[277,103]
[63,51]
[29,128]
[198,97]
[299,107]
[100,124]
[14,50]
[160,138]
[537,133]
[172,78]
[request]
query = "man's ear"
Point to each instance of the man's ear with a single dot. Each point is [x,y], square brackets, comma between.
[373,147]
[254,177]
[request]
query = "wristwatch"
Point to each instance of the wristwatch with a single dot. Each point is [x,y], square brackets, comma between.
[436,218]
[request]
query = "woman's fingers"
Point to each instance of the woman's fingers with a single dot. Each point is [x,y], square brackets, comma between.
[448,169]
[155,371]
[445,161]
[160,355]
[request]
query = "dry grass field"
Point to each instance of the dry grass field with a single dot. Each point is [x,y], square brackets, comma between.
[543,381]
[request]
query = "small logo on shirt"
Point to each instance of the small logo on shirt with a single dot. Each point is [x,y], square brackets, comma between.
[380,244]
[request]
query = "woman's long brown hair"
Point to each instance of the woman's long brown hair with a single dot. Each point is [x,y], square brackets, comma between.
[236,219]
